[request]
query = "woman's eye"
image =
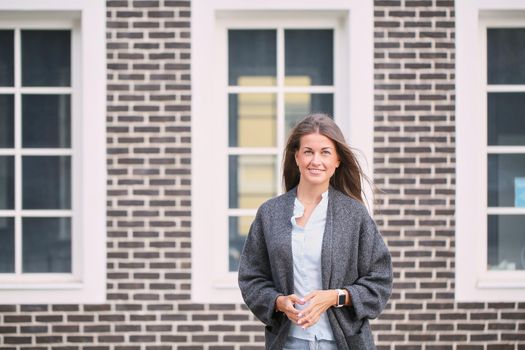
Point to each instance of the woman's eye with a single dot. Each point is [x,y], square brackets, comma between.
[307,152]
[326,152]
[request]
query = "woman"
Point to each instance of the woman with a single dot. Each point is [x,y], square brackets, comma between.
[314,268]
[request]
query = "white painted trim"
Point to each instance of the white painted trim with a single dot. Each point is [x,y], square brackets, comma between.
[267,151]
[37,151]
[506,211]
[37,90]
[41,287]
[18,159]
[38,213]
[505,149]
[353,103]
[500,5]
[281,88]
[87,283]
[499,284]
[506,88]
[241,212]
[473,281]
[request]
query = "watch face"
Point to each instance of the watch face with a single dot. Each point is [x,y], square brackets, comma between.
[342,299]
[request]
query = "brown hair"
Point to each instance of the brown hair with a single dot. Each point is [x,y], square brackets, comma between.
[347,177]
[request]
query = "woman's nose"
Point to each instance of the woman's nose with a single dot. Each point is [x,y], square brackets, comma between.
[316,159]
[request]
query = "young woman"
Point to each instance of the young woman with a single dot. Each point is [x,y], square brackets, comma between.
[314,268]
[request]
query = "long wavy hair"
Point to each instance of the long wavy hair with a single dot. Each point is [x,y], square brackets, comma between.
[347,177]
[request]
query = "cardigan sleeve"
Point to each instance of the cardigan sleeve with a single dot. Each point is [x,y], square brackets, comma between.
[255,276]
[371,291]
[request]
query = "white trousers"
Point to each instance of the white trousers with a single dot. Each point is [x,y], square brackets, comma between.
[293,343]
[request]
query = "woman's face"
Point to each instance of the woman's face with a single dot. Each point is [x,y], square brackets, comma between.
[317,159]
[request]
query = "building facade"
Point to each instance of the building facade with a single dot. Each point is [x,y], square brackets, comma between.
[151,218]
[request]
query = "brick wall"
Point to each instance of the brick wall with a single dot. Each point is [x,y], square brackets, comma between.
[149,245]
[415,165]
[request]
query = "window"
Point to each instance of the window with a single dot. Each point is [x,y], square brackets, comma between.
[268,68]
[36,140]
[491,180]
[300,81]
[43,153]
[505,52]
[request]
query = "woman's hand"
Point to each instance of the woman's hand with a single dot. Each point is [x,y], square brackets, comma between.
[318,302]
[285,303]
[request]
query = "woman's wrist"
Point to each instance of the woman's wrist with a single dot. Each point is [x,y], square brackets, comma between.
[336,297]
[277,303]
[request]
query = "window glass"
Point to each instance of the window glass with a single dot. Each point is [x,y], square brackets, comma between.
[46,245]
[297,105]
[7,121]
[506,242]
[309,57]
[505,173]
[7,245]
[46,121]
[252,180]
[7,71]
[252,120]
[252,59]
[46,58]
[506,55]
[238,229]
[7,182]
[506,119]
[46,182]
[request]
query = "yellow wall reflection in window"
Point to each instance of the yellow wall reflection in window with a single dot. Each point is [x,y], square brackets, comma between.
[257,120]
[256,180]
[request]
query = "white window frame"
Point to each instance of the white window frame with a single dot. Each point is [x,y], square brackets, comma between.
[473,281]
[352,22]
[87,281]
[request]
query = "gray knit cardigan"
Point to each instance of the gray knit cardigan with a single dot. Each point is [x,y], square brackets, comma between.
[353,256]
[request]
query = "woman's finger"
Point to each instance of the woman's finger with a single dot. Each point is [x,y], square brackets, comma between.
[296,300]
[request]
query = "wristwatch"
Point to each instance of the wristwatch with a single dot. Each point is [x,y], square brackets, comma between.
[341,298]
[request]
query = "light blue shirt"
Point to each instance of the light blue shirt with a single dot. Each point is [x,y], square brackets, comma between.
[307,243]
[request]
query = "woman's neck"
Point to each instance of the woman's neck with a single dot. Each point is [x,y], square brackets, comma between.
[308,194]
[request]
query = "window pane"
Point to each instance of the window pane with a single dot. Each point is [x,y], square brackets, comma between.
[7,182]
[252,180]
[7,121]
[505,173]
[309,57]
[46,245]
[252,58]
[46,182]
[506,242]
[506,118]
[238,228]
[506,55]
[298,105]
[252,120]
[7,245]
[46,58]
[46,121]
[6,58]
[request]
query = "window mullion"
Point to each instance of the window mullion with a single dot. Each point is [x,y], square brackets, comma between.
[280,106]
[18,157]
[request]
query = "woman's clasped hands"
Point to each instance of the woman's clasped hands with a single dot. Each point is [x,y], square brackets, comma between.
[317,302]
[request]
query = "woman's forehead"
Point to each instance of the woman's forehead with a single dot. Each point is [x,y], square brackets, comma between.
[316,140]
